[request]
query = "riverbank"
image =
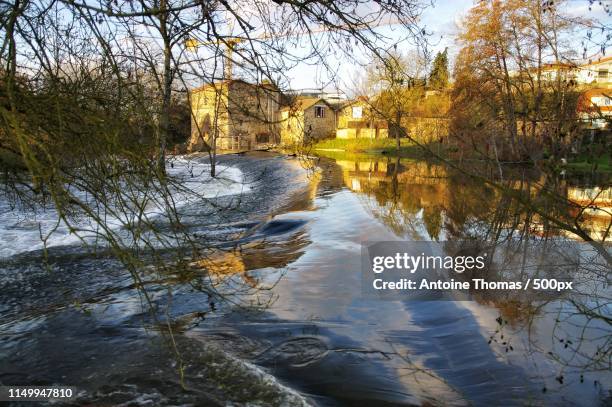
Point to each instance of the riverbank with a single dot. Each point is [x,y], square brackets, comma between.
[355,149]
[338,148]
[585,164]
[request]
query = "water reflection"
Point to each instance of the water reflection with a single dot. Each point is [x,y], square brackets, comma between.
[569,336]
[294,254]
[409,197]
[324,338]
[421,199]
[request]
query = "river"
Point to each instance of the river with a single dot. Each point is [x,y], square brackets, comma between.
[293,327]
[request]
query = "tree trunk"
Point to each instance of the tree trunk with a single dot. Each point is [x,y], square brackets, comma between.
[398,119]
[213,154]
[166,91]
[215,132]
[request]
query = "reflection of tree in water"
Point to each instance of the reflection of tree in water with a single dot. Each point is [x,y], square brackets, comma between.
[432,218]
[411,197]
[571,331]
[406,196]
[579,339]
[235,274]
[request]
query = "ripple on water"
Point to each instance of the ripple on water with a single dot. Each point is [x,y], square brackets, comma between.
[295,352]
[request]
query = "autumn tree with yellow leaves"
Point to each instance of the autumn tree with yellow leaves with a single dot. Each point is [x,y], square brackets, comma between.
[513,86]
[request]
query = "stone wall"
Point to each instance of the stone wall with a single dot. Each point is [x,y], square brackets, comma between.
[254,118]
[319,128]
[291,127]
[426,129]
[367,125]
[362,133]
[207,103]
[246,116]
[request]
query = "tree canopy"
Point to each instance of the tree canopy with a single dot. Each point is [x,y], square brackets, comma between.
[439,75]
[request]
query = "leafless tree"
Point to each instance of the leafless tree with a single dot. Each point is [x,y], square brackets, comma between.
[87,90]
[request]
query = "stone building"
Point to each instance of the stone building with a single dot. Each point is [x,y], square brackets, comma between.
[357,120]
[244,116]
[307,119]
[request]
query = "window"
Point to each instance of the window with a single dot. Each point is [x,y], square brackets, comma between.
[357,112]
[602,74]
[319,111]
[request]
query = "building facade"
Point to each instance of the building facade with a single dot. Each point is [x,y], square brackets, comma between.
[594,80]
[595,103]
[595,73]
[234,115]
[357,120]
[307,119]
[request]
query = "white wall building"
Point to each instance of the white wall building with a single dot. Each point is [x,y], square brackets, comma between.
[595,72]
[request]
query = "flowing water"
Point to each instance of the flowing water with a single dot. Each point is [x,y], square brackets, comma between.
[301,333]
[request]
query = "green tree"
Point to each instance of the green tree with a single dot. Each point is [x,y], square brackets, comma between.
[397,81]
[438,78]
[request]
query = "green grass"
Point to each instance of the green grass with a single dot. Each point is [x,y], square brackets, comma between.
[364,146]
[361,144]
[355,148]
[584,163]
[343,155]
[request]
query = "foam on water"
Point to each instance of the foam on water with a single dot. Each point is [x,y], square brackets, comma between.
[21,230]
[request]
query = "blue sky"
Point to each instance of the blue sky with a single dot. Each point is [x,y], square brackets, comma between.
[441,20]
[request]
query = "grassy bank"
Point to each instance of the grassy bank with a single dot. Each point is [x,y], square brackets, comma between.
[358,145]
[586,164]
[366,146]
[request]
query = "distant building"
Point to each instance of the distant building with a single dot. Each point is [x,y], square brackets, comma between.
[594,72]
[597,72]
[244,116]
[330,97]
[357,120]
[595,107]
[549,72]
[307,119]
[594,80]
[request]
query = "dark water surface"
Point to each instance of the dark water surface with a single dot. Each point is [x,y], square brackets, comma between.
[317,340]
